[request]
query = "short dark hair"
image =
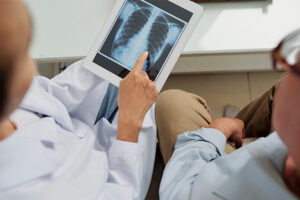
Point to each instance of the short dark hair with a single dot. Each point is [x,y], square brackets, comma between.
[4,84]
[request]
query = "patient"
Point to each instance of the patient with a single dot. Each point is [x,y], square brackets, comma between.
[268,168]
[50,146]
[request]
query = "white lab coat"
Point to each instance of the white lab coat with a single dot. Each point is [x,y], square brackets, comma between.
[58,153]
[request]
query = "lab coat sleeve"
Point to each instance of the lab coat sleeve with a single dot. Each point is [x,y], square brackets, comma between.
[193,151]
[130,165]
[71,86]
[124,161]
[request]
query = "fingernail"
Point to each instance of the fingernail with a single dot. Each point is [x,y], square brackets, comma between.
[146,53]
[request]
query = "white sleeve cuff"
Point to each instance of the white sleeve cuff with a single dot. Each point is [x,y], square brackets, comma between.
[215,137]
[124,162]
[122,150]
[210,135]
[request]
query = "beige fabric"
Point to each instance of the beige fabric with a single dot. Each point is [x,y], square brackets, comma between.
[178,111]
[257,115]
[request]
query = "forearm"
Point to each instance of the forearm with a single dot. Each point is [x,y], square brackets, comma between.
[137,173]
[137,93]
[193,151]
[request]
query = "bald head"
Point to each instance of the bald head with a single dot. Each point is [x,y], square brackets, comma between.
[15,31]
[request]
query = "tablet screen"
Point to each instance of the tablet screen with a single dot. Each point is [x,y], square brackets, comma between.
[142,25]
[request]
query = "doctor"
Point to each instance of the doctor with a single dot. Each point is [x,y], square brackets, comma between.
[50,146]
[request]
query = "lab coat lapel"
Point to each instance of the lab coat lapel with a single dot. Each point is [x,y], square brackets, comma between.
[39,101]
[28,154]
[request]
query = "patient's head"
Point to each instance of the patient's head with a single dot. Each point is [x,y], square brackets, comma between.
[16,66]
[286,120]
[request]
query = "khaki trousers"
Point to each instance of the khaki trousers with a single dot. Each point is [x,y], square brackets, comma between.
[178,111]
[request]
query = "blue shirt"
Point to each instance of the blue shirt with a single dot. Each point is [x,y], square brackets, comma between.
[200,169]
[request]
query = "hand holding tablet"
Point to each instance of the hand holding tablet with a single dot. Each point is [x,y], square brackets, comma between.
[160,27]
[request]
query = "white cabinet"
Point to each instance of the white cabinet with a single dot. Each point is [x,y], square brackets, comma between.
[235,36]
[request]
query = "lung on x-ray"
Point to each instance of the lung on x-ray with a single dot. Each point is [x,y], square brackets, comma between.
[141,27]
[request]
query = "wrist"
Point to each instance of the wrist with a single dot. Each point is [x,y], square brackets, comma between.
[128,128]
[222,130]
[128,138]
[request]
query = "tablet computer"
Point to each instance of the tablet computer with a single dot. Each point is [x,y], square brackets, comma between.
[161,27]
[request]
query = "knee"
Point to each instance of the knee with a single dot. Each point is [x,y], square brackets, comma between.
[176,100]
[170,99]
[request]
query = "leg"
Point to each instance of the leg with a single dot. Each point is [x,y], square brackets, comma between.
[257,115]
[178,111]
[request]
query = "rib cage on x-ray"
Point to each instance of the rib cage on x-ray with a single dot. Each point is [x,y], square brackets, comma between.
[143,29]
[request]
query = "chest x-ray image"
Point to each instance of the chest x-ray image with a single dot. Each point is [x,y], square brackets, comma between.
[141,27]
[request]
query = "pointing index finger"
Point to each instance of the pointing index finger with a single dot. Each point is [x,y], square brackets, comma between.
[140,62]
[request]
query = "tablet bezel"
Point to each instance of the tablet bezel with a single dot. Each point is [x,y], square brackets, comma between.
[197,11]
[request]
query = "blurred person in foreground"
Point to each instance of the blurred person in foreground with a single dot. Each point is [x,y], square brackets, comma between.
[54,144]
